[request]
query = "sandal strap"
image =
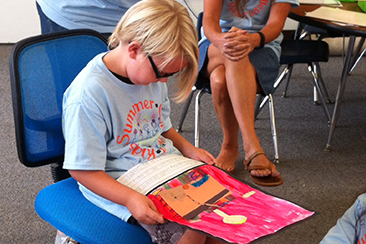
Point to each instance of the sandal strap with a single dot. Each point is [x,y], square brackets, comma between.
[248,161]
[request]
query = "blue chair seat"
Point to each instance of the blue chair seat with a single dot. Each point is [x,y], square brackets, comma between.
[63,205]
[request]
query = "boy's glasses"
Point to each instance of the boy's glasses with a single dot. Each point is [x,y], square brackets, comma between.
[156,70]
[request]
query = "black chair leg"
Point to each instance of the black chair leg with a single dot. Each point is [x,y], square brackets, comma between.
[322,82]
[316,84]
[357,55]
[284,74]
[288,76]
[197,118]
[273,127]
[261,100]
[185,109]
[258,101]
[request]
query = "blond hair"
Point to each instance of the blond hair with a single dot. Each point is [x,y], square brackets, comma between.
[164,29]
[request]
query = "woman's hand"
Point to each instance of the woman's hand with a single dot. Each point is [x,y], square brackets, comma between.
[240,43]
[233,44]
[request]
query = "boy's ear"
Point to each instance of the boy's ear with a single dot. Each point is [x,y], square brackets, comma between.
[133,49]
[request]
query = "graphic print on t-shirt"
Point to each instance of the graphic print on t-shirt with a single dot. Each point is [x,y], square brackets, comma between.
[144,125]
[255,11]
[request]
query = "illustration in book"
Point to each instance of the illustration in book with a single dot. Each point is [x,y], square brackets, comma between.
[205,198]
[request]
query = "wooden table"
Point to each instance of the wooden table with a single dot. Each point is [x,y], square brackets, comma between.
[349,30]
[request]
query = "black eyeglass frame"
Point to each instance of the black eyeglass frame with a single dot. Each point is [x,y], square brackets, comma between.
[156,70]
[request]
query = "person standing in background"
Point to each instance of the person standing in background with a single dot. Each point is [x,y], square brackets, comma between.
[98,15]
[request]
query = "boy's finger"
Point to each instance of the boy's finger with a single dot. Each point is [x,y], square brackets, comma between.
[209,158]
[156,216]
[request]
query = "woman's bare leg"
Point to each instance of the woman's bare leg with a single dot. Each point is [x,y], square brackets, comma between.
[229,152]
[242,88]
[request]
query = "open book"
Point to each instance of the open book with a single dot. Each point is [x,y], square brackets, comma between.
[146,177]
[206,198]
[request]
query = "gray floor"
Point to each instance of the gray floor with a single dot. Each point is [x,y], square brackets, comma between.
[324,182]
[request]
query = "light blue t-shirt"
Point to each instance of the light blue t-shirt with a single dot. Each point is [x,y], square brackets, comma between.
[99,15]
[111,125]
[344,231]
[257,14]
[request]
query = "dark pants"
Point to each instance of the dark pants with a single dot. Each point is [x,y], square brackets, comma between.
[48,26]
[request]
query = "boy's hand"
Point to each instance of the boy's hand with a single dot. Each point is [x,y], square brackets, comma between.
[200,154]
[144,210]
[187,149]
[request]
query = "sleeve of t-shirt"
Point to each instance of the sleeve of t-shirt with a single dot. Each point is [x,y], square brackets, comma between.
[165,112]
[294,3]
[84,132]
[344,230]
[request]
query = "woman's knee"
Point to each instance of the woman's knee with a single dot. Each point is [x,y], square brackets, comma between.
[217,78]
[219,89]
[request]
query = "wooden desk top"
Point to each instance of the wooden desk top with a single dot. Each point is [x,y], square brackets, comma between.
[298,14]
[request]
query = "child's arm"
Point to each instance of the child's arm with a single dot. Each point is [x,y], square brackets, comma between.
[140,206]
[187,149]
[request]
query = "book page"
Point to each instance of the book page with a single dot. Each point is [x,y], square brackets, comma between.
[322,2]
[147,176]
[339,15]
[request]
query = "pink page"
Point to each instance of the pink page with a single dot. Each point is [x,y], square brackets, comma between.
[264,214]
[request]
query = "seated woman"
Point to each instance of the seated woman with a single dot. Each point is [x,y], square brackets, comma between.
[240,53]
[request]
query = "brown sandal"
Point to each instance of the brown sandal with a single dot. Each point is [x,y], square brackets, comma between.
[265,180]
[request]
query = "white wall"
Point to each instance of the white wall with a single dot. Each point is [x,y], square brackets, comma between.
[195,6]
[19,18]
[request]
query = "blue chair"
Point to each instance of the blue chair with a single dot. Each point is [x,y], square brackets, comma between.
[41,68]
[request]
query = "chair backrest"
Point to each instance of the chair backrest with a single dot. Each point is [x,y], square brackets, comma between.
[199,25]
[201,82]
[41,68]
[304,51]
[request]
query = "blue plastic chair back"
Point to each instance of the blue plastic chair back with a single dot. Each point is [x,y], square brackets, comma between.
[41,69]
